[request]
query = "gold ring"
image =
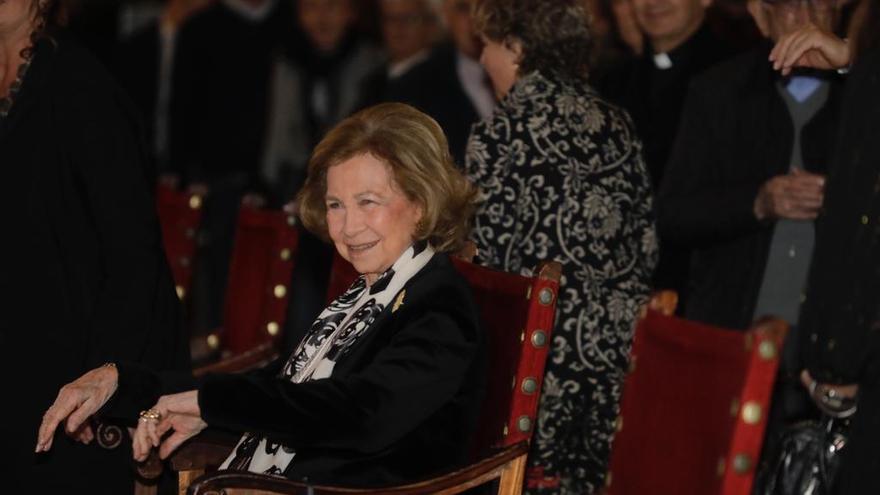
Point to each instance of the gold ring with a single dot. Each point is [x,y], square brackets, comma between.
[150,415]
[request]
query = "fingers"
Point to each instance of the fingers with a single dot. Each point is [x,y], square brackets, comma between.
[140,444]
[173,442]
[61,409]
[84,434]
[83,412]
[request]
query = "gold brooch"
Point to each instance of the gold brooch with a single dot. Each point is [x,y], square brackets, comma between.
[399,301]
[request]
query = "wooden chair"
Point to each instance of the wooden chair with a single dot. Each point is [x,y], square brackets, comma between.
[694,407]
[257,289]
[180,214]
[518,314]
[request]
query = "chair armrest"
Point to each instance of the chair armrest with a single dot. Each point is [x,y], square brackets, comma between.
[207,450]
[486,469]
[248,360]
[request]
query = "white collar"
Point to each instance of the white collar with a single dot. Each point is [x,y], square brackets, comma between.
[475,84]
[397,69]
[662,61]
[248,11]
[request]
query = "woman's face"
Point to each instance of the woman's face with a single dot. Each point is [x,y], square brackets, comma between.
[501,63]
[16,17]
[369,219]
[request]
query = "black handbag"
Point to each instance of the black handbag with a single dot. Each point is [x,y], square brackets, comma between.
[805,459]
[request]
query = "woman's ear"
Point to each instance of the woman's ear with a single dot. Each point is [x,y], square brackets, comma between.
[515,47]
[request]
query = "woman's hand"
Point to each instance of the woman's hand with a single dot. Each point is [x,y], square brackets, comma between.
[177,412]
[76,402]
[810,47]
[834,400]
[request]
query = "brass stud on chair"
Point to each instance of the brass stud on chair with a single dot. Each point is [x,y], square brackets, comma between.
[618,424]
[742,463]
[767,350]
[273,328]
[529,386]
[539,338]
[181,292]
[285,254]
[720,467]
[280,291]
[291,220]
[524,424]
[506,431]
[195,202]
[632,365]
[751,413]
[734,407]
[213,341]
[545,297]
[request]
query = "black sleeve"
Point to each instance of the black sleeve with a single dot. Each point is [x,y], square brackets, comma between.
[694,208]
[139,388]
[418,371]
[109,168]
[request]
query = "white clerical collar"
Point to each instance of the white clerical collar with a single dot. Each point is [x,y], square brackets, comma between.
[475,84]
[249,11]
[662,61]
[397,69]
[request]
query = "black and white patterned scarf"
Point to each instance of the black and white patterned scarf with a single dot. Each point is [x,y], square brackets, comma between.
[328,340]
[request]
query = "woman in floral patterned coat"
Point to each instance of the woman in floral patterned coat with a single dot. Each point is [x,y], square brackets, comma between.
[562,178]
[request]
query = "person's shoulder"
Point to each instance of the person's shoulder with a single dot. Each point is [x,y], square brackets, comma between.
[733,73]
[77,70]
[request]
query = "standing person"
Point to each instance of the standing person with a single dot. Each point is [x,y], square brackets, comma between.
[652,88]
[840,340]
[562,178]
[409,27]
[745,184]
[450,85]
[85,280]
[218,110]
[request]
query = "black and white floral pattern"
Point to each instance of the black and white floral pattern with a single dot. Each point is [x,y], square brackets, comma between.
[562,178]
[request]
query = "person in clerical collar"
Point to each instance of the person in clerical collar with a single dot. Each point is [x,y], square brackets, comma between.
[746,181]
[678,44]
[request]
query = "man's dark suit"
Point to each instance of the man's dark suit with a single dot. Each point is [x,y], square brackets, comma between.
[736,133]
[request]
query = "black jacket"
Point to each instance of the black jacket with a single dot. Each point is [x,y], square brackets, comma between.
[400,406]
[840,319]
[433,87]
[84,278]
[736,133]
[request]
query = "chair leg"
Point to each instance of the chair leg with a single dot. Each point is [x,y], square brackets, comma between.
[512,477]
[144,489]
[185,478]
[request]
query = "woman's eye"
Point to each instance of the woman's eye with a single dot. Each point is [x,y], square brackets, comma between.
[333,206]
[366,202]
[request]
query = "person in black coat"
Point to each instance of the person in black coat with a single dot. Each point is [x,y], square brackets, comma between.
[391,370]
[840,341]
[85,280]
[735,148]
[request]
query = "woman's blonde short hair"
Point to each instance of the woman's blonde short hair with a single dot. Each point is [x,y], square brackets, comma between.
[414,147]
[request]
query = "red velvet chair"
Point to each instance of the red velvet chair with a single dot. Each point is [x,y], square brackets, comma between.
[518,314]
[257,288]
[180,214]
[694,407]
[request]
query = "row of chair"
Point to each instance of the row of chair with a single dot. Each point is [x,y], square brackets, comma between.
[695,401]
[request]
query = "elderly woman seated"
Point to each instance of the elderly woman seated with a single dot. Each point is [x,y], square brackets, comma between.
[389,370]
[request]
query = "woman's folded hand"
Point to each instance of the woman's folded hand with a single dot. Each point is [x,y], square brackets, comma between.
[177,413]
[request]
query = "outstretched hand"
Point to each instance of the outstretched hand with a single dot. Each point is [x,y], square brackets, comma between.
[76,403]
[810,47]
